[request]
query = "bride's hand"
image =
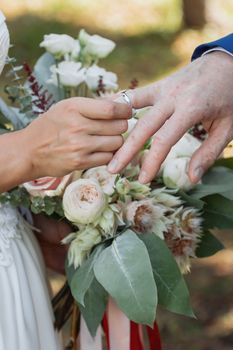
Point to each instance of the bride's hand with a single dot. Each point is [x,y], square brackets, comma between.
[76,134]
[200,92]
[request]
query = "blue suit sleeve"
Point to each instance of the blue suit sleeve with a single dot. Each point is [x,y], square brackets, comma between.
[226,43]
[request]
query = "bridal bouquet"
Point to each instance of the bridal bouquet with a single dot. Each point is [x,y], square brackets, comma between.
[129,241]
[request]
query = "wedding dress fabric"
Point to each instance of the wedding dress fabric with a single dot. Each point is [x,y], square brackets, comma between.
[26,321]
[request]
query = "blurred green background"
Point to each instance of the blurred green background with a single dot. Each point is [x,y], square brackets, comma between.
[154,38]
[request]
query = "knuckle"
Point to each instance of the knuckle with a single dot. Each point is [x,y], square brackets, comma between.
[110,109]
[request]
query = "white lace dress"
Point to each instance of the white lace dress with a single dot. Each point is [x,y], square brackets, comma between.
[26,321]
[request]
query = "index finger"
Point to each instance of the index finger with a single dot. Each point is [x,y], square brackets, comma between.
[143,130]
[100,109]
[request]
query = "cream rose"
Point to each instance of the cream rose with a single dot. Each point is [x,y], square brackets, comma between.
[105,179]
[48,186]
[96,45]
[84,201]
[175,174]
[58,44]
[93,75]
[70,73]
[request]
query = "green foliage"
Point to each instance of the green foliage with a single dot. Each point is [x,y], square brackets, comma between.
[208,246]
[172,290]
[20,197]
[95,305]
[218,212]
[218,180]
[83,276]
[125,271]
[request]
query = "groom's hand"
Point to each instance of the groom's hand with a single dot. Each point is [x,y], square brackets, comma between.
[200,92]
[76,134]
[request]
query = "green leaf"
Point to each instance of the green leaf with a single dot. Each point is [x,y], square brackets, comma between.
[125,271]
[9,115]
[208,246]
[218,180]
[226,162]
[70,271]
[42,73]
[218,212]
[173,293]
[95,305]
[197,203]
[84,276]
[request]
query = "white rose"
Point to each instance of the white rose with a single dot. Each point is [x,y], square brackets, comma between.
[84,201]
[70,73]
[96,45]
[58,44]
[175,174]
[185,147]
[48,186]
[105,179]
[93,75]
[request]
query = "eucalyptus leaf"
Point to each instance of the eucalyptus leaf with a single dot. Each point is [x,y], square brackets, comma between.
[226,162]
[190,200]
[10,116]
[84,275]
[125,271]
[42,73]
[173,293]
[218,180]
[96,299]
[218,212]
[208,246]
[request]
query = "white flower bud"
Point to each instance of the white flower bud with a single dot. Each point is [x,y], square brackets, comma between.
[96,45]
[93,75]
[82,244]
[175,174]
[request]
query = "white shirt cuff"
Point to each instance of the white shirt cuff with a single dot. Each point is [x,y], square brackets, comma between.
[217,49]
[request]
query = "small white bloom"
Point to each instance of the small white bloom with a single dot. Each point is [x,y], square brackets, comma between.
[58,44]
[134,189]
[145,217]
[107,222]
[81,245]
[70,74]
[96,45]
[76,50]
[175,174]
[166,197]
[106,180]
[183,236]
[93,75]
[84,201]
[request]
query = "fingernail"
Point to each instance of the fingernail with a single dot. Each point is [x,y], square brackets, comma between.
[143,178]
[198,172]
[112,166]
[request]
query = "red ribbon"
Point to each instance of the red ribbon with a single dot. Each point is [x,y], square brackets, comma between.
[135,339]
[154,337]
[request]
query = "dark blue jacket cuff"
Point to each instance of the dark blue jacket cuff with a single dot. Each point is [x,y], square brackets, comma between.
[226,43]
